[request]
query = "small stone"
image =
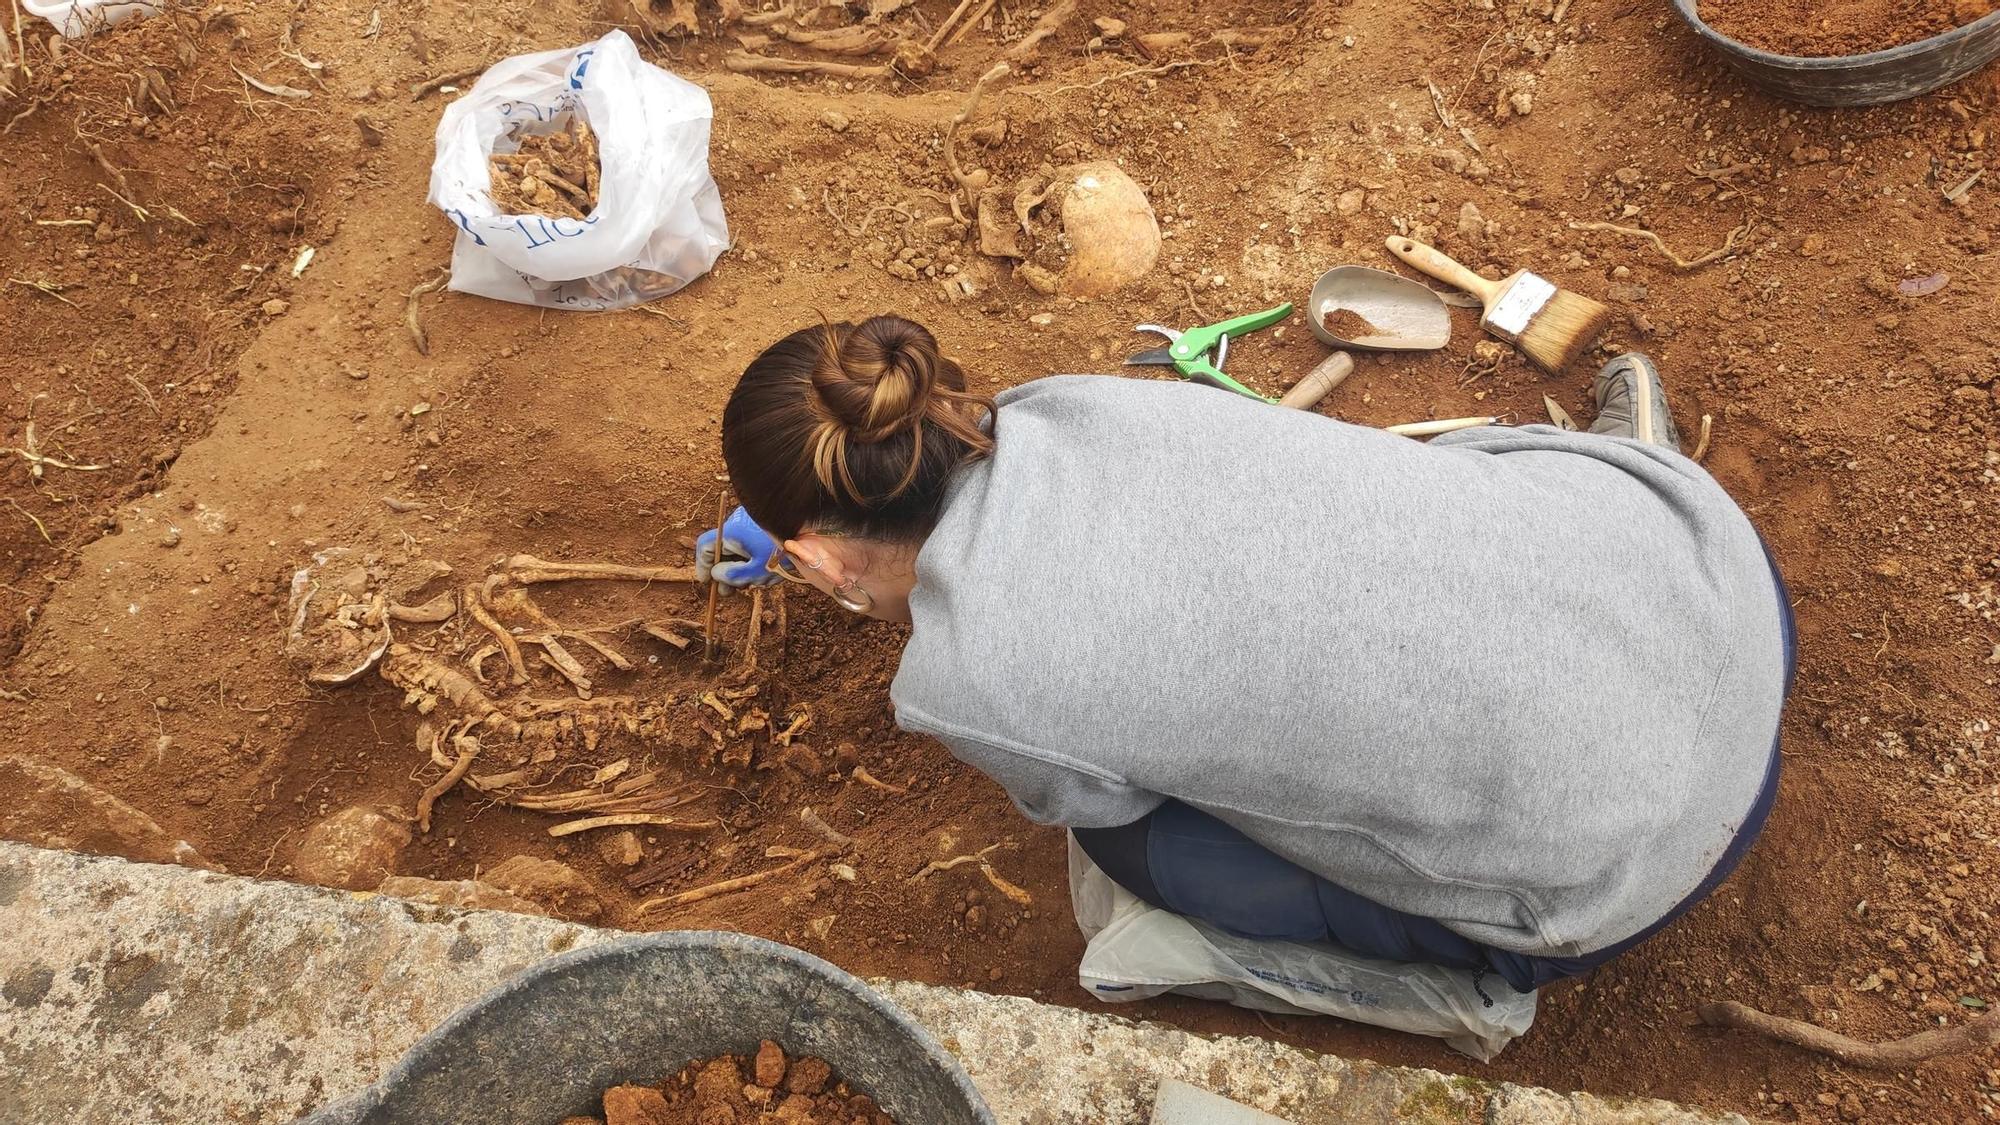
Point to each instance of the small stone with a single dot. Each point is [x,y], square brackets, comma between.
[104,232]
[354,849]
[1813,244]
[620,849]
[796,1110]
[355,373]
[1347,41]
[834,120]
[636,1105]
[1351,200]
[1110,27]
[1627,176]
[1471,224]
[808,1076]
[1851,1108]
[769,1067]
[558,887]
[1041,280]
[1522,102]
[1888,322]
[1042,320]
[172,538]
[276,306]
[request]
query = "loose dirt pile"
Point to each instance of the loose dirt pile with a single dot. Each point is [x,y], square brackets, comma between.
[553,174]
[780,1091]
[258,407]
[1348,324]
[1821,28]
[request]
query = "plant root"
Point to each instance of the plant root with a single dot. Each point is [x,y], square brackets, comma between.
[970,184]
[1978,1035]
[937,865]
[1020,896]
[1727,248]
[411,306]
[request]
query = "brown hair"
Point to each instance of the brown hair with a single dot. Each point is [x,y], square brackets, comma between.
[851,428]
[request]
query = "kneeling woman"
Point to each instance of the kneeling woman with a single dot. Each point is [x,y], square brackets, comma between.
[1504,702]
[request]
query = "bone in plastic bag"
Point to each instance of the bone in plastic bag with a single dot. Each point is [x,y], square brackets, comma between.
[1137,951]
[658,222]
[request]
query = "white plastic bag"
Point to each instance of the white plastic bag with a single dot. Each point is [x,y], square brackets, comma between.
[658,222]
[1137,951]
[78,18]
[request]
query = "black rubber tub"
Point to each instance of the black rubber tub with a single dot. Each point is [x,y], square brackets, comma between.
[548,1043]
[1870,79]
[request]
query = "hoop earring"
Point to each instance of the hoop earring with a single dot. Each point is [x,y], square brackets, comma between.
[852,597]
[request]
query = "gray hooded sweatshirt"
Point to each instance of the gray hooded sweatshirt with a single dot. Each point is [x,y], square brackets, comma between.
[1522,681]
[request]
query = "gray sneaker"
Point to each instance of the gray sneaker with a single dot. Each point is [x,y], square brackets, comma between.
[1632,403]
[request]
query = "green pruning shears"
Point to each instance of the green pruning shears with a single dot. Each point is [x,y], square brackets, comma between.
[1187,352]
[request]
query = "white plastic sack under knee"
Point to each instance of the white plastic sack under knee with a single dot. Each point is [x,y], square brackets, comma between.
[1138,951]
[658,222]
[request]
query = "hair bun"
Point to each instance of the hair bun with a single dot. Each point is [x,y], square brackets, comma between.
[879,377]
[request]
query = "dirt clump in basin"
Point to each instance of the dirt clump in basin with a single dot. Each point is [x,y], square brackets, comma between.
[1349,325]
[1827,28]
[731,1090]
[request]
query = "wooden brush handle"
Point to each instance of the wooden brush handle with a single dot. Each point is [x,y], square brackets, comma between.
[1432,261]
[1319,382]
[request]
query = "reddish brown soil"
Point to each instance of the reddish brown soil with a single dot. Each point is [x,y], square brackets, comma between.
[143,603]
[732,1090]
[1818,28]
[1348,324]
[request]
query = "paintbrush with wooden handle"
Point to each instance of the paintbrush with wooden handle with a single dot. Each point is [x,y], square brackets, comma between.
[1551,326]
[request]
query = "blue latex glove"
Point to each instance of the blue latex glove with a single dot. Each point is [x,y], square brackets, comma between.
[741,538]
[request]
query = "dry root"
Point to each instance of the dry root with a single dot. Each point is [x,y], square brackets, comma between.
[1978,1035]
[1727,248]
[970,184]
[412,309]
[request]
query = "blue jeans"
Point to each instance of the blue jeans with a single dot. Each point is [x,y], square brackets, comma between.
[1181,859]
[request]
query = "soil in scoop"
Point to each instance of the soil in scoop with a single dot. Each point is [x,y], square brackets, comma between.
[731,1090]
[1822,28]
[1349,325]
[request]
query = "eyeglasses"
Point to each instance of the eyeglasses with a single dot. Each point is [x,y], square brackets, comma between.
[785,567]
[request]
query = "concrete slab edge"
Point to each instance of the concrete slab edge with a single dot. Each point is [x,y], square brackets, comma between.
[141,993]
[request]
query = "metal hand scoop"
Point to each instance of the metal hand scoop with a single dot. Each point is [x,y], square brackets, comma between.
[1377,311]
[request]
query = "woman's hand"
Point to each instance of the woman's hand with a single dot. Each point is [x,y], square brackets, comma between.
[741,538]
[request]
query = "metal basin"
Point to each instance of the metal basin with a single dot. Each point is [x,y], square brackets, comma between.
[547,1044]
[1865,79]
